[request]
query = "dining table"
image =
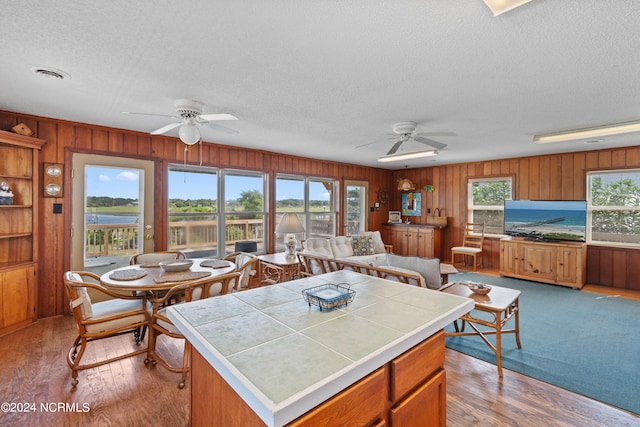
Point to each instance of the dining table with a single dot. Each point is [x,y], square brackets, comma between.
[142,279]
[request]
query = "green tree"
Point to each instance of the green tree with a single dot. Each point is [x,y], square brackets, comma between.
[251,200]
[622,193]
[492,193]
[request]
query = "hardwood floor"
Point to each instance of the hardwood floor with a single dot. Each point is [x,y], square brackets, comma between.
[33,371]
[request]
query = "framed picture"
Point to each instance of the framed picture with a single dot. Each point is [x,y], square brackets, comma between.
[411,204]
[395,217]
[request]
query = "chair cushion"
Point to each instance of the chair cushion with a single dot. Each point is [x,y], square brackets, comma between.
[363,244]
[341,246]
[466,250]
[83,295]
[429,268]
[319,246]
[115,307]
[245,275]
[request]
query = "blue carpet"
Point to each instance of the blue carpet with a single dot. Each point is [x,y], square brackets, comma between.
[580,341]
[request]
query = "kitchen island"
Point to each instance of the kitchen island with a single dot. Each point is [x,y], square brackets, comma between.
[266,357]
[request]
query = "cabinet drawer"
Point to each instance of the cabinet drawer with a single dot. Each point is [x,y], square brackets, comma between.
[425,407]
[359,405]
[416,365]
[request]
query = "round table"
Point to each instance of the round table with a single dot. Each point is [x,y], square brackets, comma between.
[148,282]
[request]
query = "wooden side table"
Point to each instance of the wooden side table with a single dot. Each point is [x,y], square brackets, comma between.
[279,267]
[501,304]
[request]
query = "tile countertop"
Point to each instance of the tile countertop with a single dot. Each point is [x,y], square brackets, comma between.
[284,357]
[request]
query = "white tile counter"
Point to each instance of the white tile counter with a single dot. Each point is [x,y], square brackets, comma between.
[284,357]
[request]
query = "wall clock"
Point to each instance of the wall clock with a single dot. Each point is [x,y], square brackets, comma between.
[52,186]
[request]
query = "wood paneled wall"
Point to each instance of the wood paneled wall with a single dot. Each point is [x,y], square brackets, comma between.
[549,177]
[64,138]
[552,177]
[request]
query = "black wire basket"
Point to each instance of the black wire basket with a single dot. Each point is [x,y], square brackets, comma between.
[330,296]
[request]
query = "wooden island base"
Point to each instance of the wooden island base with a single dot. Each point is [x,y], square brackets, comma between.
[410,390]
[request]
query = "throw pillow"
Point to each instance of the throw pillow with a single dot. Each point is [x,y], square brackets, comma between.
[363,244]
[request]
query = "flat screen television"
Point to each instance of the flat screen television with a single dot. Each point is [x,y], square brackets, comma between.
[546,219]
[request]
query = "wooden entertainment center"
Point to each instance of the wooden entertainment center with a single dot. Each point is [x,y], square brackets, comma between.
[558,263]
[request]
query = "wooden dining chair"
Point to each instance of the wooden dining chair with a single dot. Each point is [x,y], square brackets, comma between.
[472,242]
[246,265]
[161,324]
[156,257]
[122,314]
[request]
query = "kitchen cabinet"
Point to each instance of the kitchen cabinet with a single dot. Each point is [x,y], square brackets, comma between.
[414,240]
[409,391]
[560,263]
[315,371]
[19,230]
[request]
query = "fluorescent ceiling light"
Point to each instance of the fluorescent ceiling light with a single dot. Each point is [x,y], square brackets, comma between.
[501,6]
[407,156]
[594,132]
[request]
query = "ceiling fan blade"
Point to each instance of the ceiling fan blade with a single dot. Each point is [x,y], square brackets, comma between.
[166,128]
[444,133]
[395,147]
[431,143]
[209,117]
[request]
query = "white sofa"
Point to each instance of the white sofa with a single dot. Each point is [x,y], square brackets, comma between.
[368,248]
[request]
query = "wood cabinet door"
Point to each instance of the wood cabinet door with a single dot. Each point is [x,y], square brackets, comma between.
[399,240]
[425,407]
[569,265]
[539,261]
[362,404]
[509,258]
[425,242]
[18,297]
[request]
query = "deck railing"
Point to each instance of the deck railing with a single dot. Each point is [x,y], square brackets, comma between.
[122,239]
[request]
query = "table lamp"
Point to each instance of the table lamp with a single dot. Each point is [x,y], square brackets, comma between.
[290,225]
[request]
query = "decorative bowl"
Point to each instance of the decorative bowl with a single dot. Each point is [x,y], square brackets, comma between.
[479,288]
[176,265]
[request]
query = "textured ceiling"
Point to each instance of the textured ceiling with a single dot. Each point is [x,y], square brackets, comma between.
[321,78]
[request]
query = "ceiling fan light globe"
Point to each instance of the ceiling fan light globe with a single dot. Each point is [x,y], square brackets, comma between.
[189,133]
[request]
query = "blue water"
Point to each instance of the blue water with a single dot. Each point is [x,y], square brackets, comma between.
[110,219]
[522,216]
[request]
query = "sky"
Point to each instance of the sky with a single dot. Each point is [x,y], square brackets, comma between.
[564,205]
[122,182]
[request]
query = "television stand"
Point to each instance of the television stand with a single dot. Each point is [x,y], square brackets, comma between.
[559,263]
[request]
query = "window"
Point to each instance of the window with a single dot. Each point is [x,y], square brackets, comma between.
[196,226]
[244,208]
[313,199]
[193,210]
[613,206]
[486,198]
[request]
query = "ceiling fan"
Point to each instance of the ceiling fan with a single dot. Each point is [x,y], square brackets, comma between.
[189,116]
[407,131]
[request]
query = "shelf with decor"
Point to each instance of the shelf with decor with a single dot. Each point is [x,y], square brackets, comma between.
[19,179]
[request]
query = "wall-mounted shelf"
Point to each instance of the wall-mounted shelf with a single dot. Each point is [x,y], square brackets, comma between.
[19,241]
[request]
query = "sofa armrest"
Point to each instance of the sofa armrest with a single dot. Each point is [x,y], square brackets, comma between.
[388,248]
